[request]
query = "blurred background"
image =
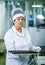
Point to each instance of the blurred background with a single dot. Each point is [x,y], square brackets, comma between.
[34,11]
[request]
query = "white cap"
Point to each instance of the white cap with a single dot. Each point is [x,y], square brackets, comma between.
[17,12]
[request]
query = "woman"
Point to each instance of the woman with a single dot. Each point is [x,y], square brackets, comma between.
[18,38]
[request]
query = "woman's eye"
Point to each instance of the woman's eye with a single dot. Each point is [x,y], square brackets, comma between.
[18,19]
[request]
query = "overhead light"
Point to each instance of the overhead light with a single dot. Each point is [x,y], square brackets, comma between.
[37,6]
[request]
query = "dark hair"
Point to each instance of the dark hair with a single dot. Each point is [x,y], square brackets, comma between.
[13,22]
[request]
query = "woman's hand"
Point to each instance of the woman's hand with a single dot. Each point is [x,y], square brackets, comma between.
[36,48]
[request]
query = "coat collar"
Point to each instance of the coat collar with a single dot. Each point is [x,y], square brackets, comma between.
[19,34]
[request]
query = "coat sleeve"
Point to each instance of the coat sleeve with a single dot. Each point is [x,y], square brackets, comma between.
[28,39]
[10,44]
[31,46]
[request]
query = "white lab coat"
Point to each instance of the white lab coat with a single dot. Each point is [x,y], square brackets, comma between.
[17,41]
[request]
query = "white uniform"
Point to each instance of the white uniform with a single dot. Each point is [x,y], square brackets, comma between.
[17,41]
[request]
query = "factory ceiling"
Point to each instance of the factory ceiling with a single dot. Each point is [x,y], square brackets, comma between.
[31,2]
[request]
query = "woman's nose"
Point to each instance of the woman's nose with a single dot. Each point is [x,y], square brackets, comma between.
[21,20]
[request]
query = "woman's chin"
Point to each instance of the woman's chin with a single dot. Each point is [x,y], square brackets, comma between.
[20,25]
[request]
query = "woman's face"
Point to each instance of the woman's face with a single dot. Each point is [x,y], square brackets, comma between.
[19,22]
